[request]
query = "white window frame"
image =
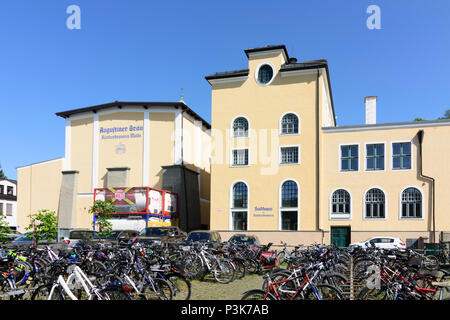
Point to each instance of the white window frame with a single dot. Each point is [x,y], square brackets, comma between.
[392,155]
[289,163]
[400,205]
[281,126]
[365,156]
[340,216]
[274,75]
[247,210]
[232,127]
[280,208]
[232,158]
[385,205]
[340,156]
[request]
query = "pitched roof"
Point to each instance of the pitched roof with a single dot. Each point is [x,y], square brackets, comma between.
[144,104]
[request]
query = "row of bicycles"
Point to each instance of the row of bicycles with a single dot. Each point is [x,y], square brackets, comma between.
[145,271]
[331,273]
[132,271]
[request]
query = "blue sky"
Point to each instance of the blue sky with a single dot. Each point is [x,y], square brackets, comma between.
[148,50]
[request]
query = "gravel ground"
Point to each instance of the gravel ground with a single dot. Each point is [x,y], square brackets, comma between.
[208,289]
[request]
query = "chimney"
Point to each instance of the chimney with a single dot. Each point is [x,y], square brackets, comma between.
[371,109]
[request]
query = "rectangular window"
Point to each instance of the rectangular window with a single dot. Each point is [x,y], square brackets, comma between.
[239,220]
[240,157]
[375,157]
[289,155]
[289,220]
[2,189]
[349,158]
[10,191]
[9,209]
[401,155]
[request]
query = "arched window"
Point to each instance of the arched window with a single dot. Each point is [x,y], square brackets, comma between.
[375,203]
[411,201]
[289,205]
[240,127]
[340,203]
[239,206]
[289,124]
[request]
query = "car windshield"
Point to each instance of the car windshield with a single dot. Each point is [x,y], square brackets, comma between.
[110,236]
[148,232]
[25,236]
[198,236]
[243,239]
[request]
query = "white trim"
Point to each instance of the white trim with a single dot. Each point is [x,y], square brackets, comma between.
[400,204]
[365,156]
[95,148]
[228,80]
[385,205]
[281,127]
[232,127]
[289,163]
[178,134]
[280,208]
[146,149]
[298,73]
[417,124]
[125,108]
[239,165]
[230,215]
[67,156]
[85,195]
[274,73]
[392,155]
[340,216]
[340,156]
[267,52]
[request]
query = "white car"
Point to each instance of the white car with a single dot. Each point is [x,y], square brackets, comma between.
[382,243]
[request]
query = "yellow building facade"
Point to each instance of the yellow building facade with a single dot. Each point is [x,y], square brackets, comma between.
[141,140]
[280,162]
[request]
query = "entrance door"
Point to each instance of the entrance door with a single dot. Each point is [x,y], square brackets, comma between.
[340,236]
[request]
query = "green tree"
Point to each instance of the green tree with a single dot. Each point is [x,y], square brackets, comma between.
[44,224]
[419,119]
[2,175]
[446,115]
[4,228]
[103,210]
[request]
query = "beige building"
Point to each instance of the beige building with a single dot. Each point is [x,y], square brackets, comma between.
[280,162]
[162,145]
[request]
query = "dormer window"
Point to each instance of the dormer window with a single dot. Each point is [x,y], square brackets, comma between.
[264,74]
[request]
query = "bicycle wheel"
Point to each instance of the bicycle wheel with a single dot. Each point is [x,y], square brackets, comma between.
[324,292]
[43,293]
[180,285]
[113,293]
[223,271]
[431,262]
[257,295]
[159,290]
[241,268]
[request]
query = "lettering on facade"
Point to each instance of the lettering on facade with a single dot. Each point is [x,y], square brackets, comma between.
[129,132]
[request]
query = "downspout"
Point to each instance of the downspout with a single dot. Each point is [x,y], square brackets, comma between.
[317,154]
[420,138]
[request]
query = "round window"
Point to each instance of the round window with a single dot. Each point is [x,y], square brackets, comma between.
[265,74]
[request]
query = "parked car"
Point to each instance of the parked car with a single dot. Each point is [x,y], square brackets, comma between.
[77,236]
[161,234]
[250,240]
[381,242]
[121,236]
[27,239]
[202,235]
[7,237]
